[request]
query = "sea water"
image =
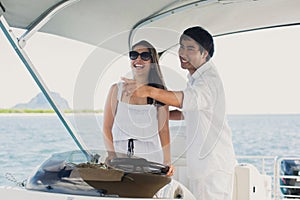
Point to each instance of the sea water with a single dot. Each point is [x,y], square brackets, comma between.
[27,140]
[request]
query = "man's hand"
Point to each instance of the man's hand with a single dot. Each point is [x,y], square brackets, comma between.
[172,98]
[132,88]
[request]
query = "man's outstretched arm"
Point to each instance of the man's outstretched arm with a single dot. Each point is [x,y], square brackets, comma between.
[172,98]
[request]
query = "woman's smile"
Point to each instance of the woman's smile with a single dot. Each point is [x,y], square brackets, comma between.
[138,66]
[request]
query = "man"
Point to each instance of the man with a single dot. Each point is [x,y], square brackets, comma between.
[210,154]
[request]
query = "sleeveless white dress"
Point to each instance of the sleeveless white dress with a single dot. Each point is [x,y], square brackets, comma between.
[138,122]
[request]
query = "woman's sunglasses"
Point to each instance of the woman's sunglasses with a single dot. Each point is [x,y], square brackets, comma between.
[133,55]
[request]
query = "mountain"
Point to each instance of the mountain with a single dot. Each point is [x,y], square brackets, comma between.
[39,102]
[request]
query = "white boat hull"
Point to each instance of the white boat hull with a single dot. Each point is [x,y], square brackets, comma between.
[11,193]
[15,193]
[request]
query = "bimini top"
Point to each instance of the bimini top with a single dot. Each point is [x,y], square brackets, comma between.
[96,22]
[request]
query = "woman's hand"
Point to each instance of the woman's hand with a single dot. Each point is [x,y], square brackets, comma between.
[171,170]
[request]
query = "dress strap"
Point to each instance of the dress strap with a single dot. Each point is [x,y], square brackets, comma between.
[120,86]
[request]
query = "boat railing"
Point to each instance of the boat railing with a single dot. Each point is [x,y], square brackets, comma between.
[287,185]
[263,163]
[284,186]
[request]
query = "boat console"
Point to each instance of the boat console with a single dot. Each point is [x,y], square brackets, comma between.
[117,176]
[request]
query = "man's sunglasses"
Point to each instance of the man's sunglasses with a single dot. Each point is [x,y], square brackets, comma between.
[133,55]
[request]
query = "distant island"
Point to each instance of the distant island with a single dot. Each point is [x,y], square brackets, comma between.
[39,104]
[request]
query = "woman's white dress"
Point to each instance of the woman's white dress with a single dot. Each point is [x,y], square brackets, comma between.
[138,122]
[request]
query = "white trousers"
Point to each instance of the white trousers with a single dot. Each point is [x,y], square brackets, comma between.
[216,186]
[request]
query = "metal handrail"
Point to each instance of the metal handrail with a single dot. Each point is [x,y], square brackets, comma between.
[292,187]
[263,160]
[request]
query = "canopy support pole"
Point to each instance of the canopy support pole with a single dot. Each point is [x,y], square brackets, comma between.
[37,78]
[37,24]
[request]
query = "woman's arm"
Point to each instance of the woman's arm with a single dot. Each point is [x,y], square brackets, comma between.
[164,132]
[164,135]
[109,116]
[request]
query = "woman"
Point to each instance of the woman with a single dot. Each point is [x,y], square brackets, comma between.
[139,126]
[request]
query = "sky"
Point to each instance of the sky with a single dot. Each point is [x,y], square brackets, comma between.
[260,71]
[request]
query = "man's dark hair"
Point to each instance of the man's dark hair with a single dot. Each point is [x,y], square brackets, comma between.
[202,37]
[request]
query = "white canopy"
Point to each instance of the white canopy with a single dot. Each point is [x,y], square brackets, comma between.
[96,22]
